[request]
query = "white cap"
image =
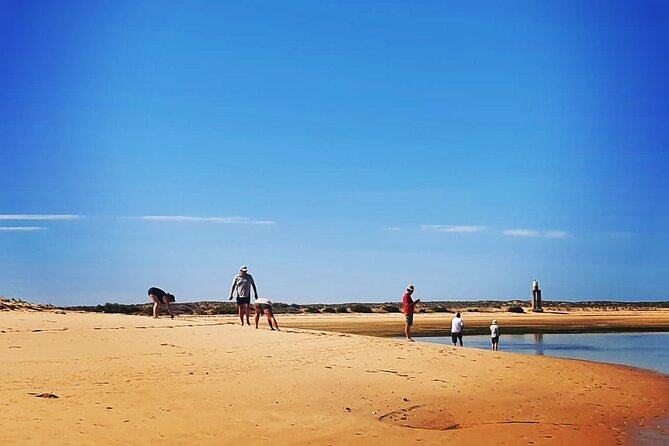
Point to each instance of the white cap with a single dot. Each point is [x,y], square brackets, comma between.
[494,322]
[244,268]
[410,288]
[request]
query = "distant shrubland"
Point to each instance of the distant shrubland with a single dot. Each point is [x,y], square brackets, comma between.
[225,307]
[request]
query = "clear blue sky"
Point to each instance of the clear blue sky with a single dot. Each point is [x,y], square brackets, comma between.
[340,149]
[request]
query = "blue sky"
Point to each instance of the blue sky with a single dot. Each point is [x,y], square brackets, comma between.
[340,149]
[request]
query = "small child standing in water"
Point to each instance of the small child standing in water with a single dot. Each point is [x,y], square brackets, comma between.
[494,335]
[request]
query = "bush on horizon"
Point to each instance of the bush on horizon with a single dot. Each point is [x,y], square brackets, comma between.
[516,309]
[441,309]
[123,308]
[360,308]
[280,308]
[391,308]
[224,308]
[329,310]
[342,309]
[312,310]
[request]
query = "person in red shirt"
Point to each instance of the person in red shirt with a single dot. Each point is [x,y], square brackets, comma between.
[409,305]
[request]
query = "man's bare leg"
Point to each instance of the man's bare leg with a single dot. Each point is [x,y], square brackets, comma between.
[407,332]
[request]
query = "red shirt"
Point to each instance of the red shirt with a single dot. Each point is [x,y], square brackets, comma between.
[408,303]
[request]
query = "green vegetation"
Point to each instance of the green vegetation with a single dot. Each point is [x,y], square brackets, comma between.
[280,308]
[219,307]
[360,308]
[391,308]
[441,309]
[118,308]
[223,308]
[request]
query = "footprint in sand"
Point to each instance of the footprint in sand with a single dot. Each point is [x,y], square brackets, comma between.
[419,417]
[43,395]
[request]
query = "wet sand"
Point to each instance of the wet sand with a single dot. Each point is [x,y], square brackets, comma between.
[439,324]
[207,380]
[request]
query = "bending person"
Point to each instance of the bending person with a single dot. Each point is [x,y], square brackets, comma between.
[158,297]
[264,306]
[242,283]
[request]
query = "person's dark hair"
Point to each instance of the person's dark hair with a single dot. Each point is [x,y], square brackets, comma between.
[170,297]
[457,315]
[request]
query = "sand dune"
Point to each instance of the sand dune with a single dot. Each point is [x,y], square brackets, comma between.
[205,380]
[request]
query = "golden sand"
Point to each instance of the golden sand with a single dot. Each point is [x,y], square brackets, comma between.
[207,380]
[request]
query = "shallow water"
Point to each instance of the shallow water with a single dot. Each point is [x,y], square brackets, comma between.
[645,350]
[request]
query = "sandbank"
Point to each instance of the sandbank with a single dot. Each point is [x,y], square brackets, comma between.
[439,324]
[207,380]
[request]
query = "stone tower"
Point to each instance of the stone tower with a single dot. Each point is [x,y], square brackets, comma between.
[536,297]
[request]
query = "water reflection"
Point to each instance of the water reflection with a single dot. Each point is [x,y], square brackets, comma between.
[539,343]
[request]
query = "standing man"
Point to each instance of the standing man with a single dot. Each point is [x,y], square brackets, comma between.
[243,282]
[457,324]
[408,305]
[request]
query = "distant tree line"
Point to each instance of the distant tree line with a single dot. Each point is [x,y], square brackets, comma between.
[215,307]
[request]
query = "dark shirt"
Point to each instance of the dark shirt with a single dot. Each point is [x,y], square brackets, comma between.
[157,292]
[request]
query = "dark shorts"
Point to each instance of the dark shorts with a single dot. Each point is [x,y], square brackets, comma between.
[158,293]
[456,337]
[263,307]
[243,300]
[409,319]
[495,340]
[159,298]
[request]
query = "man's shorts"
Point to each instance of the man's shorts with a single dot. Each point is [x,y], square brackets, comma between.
[160,299]
[243,300]
[456,336]
[495,340]
[409,319]
[263,307]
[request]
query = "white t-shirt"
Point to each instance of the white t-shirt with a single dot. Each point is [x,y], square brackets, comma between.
[456,325]
[494,330]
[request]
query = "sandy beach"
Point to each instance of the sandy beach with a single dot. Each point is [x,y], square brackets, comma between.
[207,380]
[439,324]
